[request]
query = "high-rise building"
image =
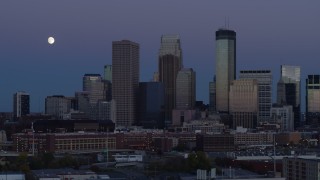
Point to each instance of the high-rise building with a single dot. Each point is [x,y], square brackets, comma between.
[289,90]
[282,115]
[185,89]
[170,63]
[313,100]
[212,96]
[21,104]
[108,73]
[244,102]
[225,67]
[93,84]
[125,80]
[57,106]
[151,105]
[106,110]
[264,79]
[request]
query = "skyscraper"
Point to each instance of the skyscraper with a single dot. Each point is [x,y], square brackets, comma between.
[125,80]
[21,104]
[212,95]
[289,90]
[264,79]
[186,89]
[244,102]
[313,100]
[170,62]
[108,73]
[57,106]
[93,84]
[151,104]
[225,67]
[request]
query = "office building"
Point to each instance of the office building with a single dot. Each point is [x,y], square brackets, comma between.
[313,100]
[170,63]
[225,67]
[282,115]
[106,110]
[93,84]
[185,89]
[125,80]
[244,103]
[21,104]
[289,90]
[212,95]
[57,106]
[264,79]
[151,105]
[108,73]
[297,168]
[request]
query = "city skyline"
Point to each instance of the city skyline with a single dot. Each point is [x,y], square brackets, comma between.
[83,42]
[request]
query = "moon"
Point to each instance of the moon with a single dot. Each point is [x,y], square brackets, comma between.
[50,40]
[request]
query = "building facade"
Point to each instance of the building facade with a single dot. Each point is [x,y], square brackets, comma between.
[57,106]
[108,73]
[282,115]
[264,79]
[21,104]
[301,168]
[125,80]
[170,63]
[225,67]
[313,100]
[212,96]
[151,105]
[93,84]
[289,90]
[185,89]
[244,103]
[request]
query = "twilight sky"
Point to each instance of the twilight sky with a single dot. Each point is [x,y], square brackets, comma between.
[269,33]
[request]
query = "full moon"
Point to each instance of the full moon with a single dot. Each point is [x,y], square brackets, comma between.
[50,40]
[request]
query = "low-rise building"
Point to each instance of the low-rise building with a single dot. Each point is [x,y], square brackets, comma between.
[301,168]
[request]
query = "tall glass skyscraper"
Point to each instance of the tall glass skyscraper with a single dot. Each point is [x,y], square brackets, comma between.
[125,80]
[225,67]
[289,90]
[186,89]
[108,73]
[313,100]
[93,84]
[170,63]
[264,79]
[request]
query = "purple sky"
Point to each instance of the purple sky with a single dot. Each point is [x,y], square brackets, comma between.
[269,33]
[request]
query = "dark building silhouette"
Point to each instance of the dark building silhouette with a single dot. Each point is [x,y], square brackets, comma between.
[125,80]
[289,90]
[151,105]
[170,63]
[21,104]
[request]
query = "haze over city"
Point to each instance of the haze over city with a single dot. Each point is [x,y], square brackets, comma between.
[269,33]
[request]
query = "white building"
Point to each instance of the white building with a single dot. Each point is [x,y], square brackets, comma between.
[283,115]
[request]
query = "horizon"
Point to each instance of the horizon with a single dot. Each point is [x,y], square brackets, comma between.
[271,32]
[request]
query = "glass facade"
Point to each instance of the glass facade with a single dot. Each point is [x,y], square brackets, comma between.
[225,67]
[290,80]
[170,63]
[313,100]
[151,104]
